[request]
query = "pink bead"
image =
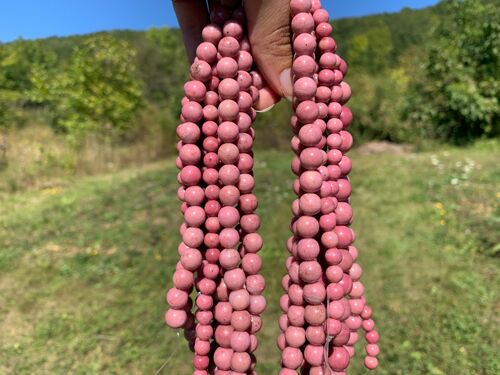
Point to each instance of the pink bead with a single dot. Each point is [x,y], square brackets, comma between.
[188,132]
[234,279]
[314,293]
[212,33]
[241,320]
[371,363]
[310,271]
[310,204]
[310,181]
[304,66]
[315,335]
[308,249]
[195,90]
[295,293]
[368,325]
[227,67]
[229,175]
[304,44]
[333,327]
[233,28]
[223,311]
[302,23]
[314,355]
[251,264]
[228,216]
[307,226]
[296,315]
[201,71]
[298,6]
[291,358]
[191,259]
[252,242]
[240,362]
[307,111]
[206,51]
[310,135]
[209,128]
[229,237]
[228,153]
[175,318]
[327,44]
[240,341]
[339,359]
[372,350]
[311,158]
[228,47]
[248,203]
[255,284]
[304,88]
[183,279]
[344,235]
[229,258]
[229,88]
[321,15]
[177,298]
[315,315]
[202,347]
[222,358]
[239,299]
[245,61]
[295,336]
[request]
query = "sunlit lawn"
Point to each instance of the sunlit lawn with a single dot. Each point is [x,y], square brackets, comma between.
[84,266]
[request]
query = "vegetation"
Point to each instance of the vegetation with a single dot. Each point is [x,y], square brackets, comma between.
[417,75]
[85,264]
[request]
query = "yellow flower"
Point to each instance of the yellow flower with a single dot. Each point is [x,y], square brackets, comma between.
[442,222]
[51,191]
[158,257]
[498,195]
[438,206]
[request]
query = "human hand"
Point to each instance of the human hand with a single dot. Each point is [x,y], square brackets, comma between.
[268,23]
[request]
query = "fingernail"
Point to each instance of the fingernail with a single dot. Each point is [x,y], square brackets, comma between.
[286,83]
[265,109]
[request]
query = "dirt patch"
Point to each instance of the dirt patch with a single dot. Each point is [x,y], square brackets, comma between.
[380,147]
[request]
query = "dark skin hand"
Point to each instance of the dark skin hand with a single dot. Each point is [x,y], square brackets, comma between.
[268,23]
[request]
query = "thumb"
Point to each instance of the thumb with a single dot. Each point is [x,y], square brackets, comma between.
[270,39]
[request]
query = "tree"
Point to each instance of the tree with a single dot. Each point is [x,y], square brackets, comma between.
[18,62]
[99,91]
[456,97]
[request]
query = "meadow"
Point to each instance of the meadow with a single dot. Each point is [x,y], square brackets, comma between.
[86,262]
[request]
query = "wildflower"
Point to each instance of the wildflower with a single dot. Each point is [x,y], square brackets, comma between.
[438,206]
[51,191]
[454,181]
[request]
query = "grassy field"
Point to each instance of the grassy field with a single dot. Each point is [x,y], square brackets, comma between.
[85,264]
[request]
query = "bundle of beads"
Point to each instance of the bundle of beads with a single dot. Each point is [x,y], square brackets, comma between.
[323,305]
[218,252]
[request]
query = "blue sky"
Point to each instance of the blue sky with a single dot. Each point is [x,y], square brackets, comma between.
[31,19]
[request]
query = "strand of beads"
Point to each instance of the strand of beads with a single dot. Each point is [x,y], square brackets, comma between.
[339,141]
[322,276]
[219,234]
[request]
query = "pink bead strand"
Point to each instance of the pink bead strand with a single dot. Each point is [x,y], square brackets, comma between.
[219,232]
[323,306]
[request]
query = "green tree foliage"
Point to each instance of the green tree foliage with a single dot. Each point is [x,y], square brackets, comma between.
[371,50]
[99,91]
[456,96]
[19,62]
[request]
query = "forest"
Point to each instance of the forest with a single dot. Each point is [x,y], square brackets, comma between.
[418,76]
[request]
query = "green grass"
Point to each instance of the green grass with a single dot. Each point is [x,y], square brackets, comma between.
[84,267]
